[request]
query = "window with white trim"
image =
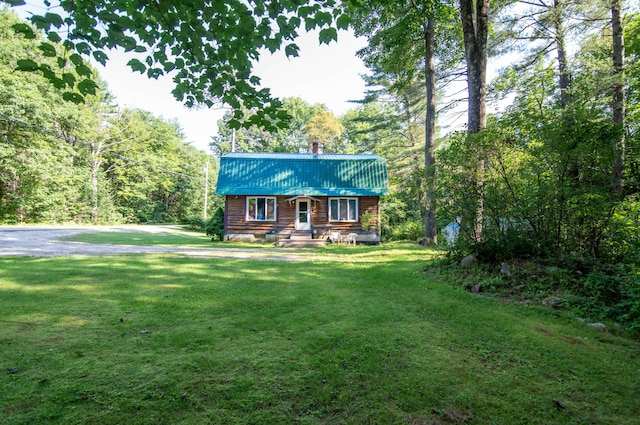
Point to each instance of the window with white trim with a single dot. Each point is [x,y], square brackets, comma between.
[343,209]
[261,208]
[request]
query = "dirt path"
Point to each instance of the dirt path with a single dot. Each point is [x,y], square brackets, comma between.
[49,242]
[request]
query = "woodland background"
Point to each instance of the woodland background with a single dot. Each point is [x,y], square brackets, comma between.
[553,170]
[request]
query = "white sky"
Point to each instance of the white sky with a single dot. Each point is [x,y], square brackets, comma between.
[321,74]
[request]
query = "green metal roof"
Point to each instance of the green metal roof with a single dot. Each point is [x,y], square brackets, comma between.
[302,174]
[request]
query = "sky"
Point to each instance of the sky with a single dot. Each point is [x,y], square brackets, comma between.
[321,74]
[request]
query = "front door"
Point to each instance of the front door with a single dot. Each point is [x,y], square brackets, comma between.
[303,214]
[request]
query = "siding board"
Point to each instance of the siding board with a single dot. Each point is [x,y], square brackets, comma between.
[236,223]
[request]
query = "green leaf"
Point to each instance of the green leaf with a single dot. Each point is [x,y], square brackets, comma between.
[73,97]
[272,44]
[87,86]
[48,50]
[137,66]
[324,18]
[234,124]
[53,19]
[83,48]
[291,50]
[327,35]
[54,37]
[40,22]
[76,59]
[179,91]
[13,3]
[84,71]
[309,24]
[69,79]
[343,22]
[154,73]
[57,82]
[27,65]
[100,57]
[25,30]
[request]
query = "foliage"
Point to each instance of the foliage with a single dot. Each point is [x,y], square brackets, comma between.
[367,221]
[325,129]
[215,226]
[207,47]
[254,138]
[195,222]
[408,230]
[548,184]
[114,165]
[587,288]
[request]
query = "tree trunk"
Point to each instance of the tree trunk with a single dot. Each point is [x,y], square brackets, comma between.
[475,29]
[563,64]
[95,167]
[618,99]
[430,232]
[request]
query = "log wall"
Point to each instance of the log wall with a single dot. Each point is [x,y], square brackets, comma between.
[235,223]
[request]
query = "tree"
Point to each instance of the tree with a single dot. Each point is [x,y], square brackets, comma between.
[475,30]
[255,138]
[402,44]
[209,47]
[37,157]
[326,130]
[618,105]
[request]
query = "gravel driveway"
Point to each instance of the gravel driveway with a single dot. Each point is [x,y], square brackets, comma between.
[49,242]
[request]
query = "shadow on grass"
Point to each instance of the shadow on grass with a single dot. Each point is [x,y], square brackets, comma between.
[152,339]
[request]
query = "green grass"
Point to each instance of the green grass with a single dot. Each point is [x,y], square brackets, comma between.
[357,336]
[170,237]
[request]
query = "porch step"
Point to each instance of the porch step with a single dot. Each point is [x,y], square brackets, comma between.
[301,236]
[301,243]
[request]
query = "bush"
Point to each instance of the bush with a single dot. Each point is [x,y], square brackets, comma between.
[195,222]
[507,246]
[412,230]
[215,226]
[628,309]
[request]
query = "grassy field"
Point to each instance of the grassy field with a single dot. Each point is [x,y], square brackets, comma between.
[357,336]
[170,237]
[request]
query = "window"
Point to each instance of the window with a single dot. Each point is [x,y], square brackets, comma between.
[343,209]
[261,208]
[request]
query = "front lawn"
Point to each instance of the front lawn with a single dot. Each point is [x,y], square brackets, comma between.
[357,336]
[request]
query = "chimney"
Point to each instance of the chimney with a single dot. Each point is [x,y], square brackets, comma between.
[314,148]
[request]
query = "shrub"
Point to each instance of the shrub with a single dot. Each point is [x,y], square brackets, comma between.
[411,230]
[507,246]
[195,222]
[215,226]
[367,221]
[628,309]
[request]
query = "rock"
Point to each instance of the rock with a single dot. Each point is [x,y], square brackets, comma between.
[560,404]
[552,301]
[600,326]
[477,289]
[519,288]
[505,270]
[468,261]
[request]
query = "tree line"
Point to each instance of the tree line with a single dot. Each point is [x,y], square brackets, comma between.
[555,170]
[88,162]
